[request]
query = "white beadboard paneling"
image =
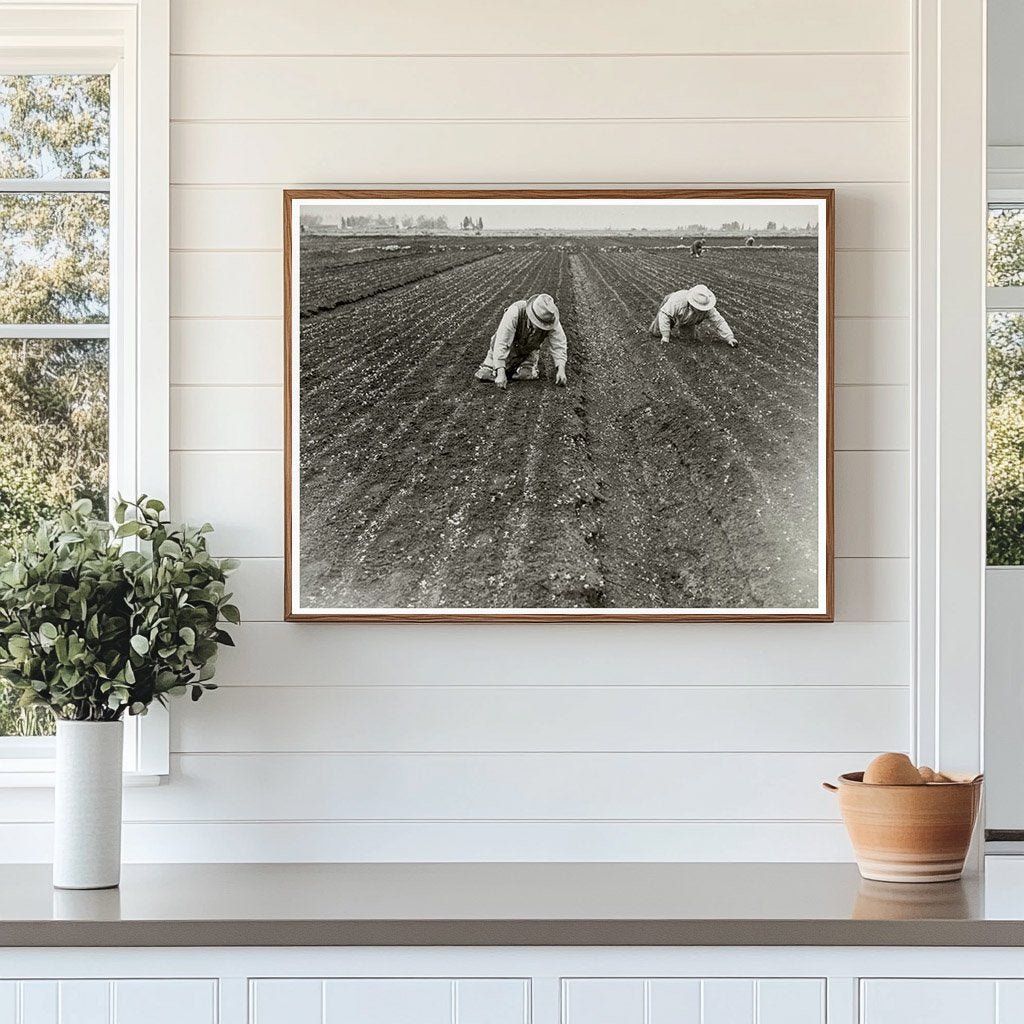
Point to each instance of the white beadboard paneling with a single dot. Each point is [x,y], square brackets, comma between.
[39,1003]
[873,283]
[9,1002]
[286,1001]
[872,501]
[867,589]
[388,1001]
[872,350]
[451,786]
[535,87]
[872,216]
[572,151]
[790,1001]
[729,26]
[245,284]
[85,1002]
[1010,1001]
[727,1001]
[872,589]
[492,1001]
[873,418]
[463,842]
[235,418]
[241,493]
[673,1001]
[937,1001]
[149,1001]
[227,352]
[437,654]
[603,1001]
[548,718]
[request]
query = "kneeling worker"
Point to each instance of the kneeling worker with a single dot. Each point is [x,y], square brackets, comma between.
[682,311]
[515,346]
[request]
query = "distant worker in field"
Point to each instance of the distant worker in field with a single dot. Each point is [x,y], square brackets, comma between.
[697,249]
[750,240]
[681,312]
[514,352]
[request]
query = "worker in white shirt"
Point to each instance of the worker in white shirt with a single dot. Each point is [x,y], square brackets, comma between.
[681,312]
[514,353]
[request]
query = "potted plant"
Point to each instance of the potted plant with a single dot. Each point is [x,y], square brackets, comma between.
[99,620]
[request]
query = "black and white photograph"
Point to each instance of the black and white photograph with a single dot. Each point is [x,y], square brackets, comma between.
[566,406]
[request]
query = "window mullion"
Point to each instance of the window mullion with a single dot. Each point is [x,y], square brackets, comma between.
[63,332]
[54,185]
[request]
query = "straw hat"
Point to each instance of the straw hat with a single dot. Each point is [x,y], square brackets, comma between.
[543,312]
[701,297]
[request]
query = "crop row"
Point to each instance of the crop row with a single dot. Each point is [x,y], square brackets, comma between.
[327,289]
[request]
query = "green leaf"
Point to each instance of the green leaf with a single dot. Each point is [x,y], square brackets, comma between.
[170,549]
[140,644]
[49,631]
[231,613]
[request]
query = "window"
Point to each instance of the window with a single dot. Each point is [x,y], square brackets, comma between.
[84,124]
[54,308]
[1005,499]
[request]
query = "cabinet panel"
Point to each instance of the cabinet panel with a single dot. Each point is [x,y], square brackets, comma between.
[694,1001]
[102,1001]
[929,1001]
[388,1001]
[790,1001]
[674,1001]
[286,1001]
[603,1001]
[491,1001]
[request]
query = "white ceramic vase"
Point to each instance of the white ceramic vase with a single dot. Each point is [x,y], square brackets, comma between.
[87,811]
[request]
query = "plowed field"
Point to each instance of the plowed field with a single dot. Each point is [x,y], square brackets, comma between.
[661,477]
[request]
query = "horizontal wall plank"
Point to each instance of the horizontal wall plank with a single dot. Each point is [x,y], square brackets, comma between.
[237,418]
[370,719]
[535,87]
[249,284]
[247,787]
[872,350]
[873,216]
[239,352]
[455,842]
[209,418]
[581,654]
[540,152]
[872,501]
[872,418]
[867,589]
[464,26]
[241,493]
[869,350]
[873,589]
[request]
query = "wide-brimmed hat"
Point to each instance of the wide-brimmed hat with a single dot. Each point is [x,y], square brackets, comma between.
[542,311]
[701,297]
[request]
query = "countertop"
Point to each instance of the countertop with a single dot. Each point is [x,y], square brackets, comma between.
[493,904]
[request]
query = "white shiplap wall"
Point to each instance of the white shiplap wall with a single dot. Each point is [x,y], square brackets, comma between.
[539,742]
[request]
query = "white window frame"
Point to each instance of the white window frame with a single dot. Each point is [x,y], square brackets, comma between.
[130,41]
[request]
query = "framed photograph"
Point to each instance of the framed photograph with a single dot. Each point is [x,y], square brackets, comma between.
[546,405]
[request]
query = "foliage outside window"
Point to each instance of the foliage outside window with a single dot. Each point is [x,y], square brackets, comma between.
[54,308]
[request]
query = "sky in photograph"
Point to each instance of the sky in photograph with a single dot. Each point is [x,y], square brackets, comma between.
[508,216]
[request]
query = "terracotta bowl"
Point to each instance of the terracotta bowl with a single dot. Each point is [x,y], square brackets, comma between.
[909,833]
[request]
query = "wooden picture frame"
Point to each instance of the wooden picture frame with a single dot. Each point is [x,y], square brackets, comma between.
[435,247]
